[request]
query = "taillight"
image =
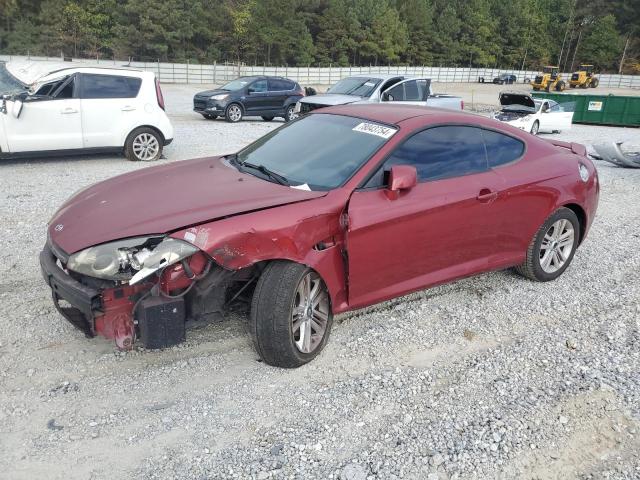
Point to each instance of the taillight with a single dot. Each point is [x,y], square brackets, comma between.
[159,95]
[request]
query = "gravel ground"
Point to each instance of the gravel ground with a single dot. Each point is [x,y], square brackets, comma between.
[489,377]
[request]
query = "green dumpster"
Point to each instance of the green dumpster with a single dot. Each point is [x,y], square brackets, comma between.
[619,110]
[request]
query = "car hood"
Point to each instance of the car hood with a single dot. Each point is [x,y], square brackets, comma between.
[208,93]
[523,99]
[161,199]
[330,99]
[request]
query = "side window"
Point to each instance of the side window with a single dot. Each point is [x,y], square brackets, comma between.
[501,149]
[277,85]
[66,90]
[410,91]
[396,94]
[109,86]
[259,86]
[46,88]
[438,153]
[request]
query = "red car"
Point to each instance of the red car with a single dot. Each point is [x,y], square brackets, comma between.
[344,208]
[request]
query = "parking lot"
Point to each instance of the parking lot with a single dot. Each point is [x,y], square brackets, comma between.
[489,377]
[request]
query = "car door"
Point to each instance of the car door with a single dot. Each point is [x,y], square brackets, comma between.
[109,107]
[414,91]
[279,91]
[257,98]
[442,228]
[555,118]
[47,122]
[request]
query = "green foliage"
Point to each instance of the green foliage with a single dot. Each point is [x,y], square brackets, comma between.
[507,34]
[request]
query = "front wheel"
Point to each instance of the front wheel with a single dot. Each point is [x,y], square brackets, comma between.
[233,113]
[552,248]
[594,83]
[290,314]
[290,114]
[143,145]
[535,128]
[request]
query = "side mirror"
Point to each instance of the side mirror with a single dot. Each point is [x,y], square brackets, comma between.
[250,91]
[401,177]
[387,97]
[17,108]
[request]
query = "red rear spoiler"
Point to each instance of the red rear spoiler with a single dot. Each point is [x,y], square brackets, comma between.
[576,148]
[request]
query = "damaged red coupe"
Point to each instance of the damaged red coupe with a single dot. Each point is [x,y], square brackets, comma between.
[344,208]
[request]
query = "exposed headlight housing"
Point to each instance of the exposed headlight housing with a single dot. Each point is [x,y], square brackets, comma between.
[131,259]
[220,96]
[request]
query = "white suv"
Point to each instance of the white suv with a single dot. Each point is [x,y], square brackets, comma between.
[87,110]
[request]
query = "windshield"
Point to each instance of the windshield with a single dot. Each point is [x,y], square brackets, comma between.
[359,86]
[8,84]
[237,84]
[320,151]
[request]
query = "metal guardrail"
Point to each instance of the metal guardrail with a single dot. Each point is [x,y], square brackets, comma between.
[220,73]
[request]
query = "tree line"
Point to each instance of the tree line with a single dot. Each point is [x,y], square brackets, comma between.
[509,34]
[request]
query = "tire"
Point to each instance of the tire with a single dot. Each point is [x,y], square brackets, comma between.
[561,86]
[535,89]
[210,117]
[535,128]
[594,83]
[542,264]
[144,144]
[548,87]
[233,113]
[274,310]
[289,114]
[267,119]
[571,85]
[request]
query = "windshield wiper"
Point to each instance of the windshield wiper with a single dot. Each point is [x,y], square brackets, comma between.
[269,173]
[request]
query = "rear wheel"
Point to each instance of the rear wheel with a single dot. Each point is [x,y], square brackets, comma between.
[267,119]
[143,145]
[233,113]
[290,114]
[552,248]
[290,314]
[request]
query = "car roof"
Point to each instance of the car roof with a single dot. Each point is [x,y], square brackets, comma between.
[55,74]
[395,114]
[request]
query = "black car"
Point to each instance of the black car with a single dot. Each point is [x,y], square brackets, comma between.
[505,78]
[259,96]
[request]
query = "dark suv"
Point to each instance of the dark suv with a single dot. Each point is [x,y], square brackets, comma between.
[265,97]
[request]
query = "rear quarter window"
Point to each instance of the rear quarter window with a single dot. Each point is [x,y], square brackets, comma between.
[109,86]
[502,149]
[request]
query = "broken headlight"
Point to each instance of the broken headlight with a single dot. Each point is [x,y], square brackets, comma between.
[132,259]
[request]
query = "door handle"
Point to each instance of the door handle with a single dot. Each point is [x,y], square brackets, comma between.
[68,110]
[128,108]
[486,196]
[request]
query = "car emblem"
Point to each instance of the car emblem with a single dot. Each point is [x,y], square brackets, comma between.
[59,227]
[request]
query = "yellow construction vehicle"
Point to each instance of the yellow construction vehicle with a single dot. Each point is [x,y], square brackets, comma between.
[584,78]
[549,80]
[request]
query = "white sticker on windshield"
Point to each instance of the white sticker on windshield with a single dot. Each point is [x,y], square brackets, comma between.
[374,129]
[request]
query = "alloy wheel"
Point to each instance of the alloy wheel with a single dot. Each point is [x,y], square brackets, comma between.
[291,114]
[145,146]
[557,245]
[310,313]
[235,114]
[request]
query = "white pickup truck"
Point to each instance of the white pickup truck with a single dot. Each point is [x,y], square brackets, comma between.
[377,89]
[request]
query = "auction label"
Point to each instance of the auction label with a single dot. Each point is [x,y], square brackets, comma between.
[374,129]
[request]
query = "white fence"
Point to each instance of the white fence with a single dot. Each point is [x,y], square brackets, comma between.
[220,73]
